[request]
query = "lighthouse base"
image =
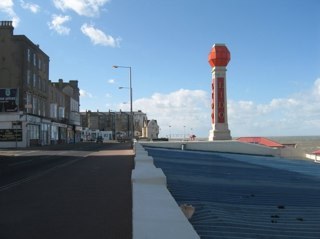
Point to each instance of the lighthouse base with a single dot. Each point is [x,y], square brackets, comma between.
[219,134]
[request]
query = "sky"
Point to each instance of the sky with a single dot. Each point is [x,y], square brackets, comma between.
[273,77]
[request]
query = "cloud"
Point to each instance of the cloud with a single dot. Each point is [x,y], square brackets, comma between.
[57,22]
[98,37]
[189,108]
[84,93]
[6,6]
[88,8]
[30,6]
[111,81]
[298,114]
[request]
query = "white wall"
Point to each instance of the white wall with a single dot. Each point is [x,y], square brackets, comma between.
[156,215]
[226,146]
[314,157]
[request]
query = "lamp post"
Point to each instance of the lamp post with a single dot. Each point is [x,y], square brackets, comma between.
[130,88]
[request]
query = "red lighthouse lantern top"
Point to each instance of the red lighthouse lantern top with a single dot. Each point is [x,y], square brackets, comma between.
[219,55]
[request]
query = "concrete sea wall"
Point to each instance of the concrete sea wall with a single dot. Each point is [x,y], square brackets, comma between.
[155,212]
[229,146]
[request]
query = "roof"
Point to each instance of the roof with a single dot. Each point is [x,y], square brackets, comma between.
[316,152]
[262,141]
[225,189]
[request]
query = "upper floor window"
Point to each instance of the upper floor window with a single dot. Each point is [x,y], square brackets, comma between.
[28,77]
[29,55]
[34,80]
[44,86]
[39,83]
[40,106]
[35,105]
[61,112]
[74,105]
[29,103]
[53,110]
[34,59]
[43,64]
[44,109]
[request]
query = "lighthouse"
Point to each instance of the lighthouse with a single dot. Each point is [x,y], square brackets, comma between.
[218,59]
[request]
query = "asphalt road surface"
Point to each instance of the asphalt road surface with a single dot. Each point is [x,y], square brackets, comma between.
[66,191]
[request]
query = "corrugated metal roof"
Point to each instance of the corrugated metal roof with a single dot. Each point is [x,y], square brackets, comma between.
[242,196]
[261,140]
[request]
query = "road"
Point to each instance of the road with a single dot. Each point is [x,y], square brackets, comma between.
[66,191]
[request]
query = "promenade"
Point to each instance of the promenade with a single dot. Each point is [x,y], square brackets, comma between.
[88,197]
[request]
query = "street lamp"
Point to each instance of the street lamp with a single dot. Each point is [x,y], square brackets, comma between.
[130,88]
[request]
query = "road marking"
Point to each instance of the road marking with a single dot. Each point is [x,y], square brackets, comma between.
[22,162]
[113,152]
[38,175]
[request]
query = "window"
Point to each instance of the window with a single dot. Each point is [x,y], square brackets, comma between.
[29,55]
[74,105]
[29,103]
[34,80]
[44,86]
[28,77]
[61,112]
[39,64]
[34,132]
[39,82]
[53,110]
[35,105]
[44,108]
[40,106]
[34,59]
[43,65]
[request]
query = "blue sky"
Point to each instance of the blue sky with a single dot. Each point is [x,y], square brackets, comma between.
[273,78]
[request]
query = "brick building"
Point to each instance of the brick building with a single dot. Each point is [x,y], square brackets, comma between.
[33,110]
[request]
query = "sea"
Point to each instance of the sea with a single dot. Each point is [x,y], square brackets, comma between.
[306,143]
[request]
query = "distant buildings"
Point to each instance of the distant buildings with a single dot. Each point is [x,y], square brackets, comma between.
[150,129]
[33,110]
[118,123]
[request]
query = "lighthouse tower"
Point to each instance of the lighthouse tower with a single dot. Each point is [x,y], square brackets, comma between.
[219,58]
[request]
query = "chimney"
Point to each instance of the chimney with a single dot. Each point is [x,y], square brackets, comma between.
[60,83]
[6,27]
[74,83]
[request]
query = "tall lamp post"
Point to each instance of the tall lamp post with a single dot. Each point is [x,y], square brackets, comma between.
[130,88]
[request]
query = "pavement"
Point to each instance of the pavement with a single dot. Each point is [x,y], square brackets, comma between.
[87,197]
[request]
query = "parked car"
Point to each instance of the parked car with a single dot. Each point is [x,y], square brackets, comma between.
[99,139]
